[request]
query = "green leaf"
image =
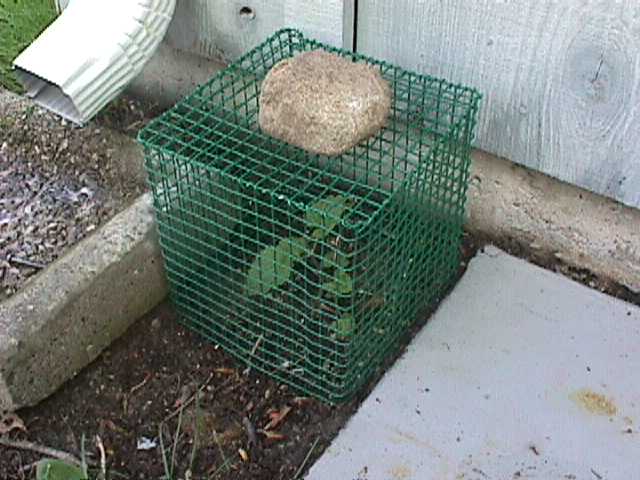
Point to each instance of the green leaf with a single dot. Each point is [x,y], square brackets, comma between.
[50,469]
[344,326]
[272,267]
[331,287]
[324,215]
[335,258]
[328,260]
[344,282]
[298,246]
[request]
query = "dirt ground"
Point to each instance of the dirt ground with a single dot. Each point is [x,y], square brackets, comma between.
[58,183]
[152,373]
[160,377]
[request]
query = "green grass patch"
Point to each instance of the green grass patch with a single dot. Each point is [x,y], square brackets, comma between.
[21,21]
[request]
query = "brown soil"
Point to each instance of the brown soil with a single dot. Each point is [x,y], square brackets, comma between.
[126,115]
[149,377]
[58,183]
[145,377]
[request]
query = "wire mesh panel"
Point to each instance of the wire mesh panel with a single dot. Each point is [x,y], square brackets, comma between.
[309,268]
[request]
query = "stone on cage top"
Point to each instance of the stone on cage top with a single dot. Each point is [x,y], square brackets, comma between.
[323,103]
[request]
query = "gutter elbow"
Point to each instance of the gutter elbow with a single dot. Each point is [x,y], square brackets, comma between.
[90,53]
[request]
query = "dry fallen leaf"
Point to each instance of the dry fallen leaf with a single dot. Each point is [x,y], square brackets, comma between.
[185,393]
[110,425]
[243,454]
[225,371]
[301,401]
[10,422]
[231,434]
[273,436]
[276,418]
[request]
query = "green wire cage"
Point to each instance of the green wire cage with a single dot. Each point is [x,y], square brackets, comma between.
[309,268]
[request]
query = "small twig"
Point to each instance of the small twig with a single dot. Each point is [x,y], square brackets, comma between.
[38,194]
[253,352]
[251,432]
[306,459]
[278,417]
[193,397]
[30,466]
[83,455]
[163,451]
[168,468]
[224,465]
[141,384]
[257,344]
[21,469]
[195,434]
[224,457]
[34,447]
[103,459]
[327,308]
[115,473]
[126,396]
[134,125]
[24,262]
[177,438]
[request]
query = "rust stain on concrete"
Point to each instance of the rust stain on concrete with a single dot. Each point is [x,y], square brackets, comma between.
[400,472]
[594,402]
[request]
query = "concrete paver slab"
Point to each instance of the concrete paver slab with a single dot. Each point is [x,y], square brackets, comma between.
[521,373]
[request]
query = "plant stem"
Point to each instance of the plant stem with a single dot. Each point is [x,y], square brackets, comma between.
[176,438]
[163,452]
[195,433]
[306,459]
[34,447]
[222,455]
[193,397]
[225,465]
[103,459]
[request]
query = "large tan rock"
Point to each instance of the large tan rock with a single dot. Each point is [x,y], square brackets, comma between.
[323,103]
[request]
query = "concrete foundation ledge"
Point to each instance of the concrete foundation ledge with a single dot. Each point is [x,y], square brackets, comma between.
[62,319]
[546,217]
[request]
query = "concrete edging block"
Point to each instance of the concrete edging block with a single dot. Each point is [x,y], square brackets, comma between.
[62,319]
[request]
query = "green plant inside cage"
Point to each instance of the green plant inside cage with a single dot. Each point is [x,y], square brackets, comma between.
[302,290]
[295,282]
[309,268]
[321,255]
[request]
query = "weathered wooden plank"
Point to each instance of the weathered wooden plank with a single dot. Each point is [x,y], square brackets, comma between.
[225,29]
[561,79]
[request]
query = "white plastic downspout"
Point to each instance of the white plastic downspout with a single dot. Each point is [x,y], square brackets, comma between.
[91,52]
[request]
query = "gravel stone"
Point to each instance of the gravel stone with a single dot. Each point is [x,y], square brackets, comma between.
[58,183]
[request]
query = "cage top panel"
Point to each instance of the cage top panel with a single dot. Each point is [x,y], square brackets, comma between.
[217,127]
